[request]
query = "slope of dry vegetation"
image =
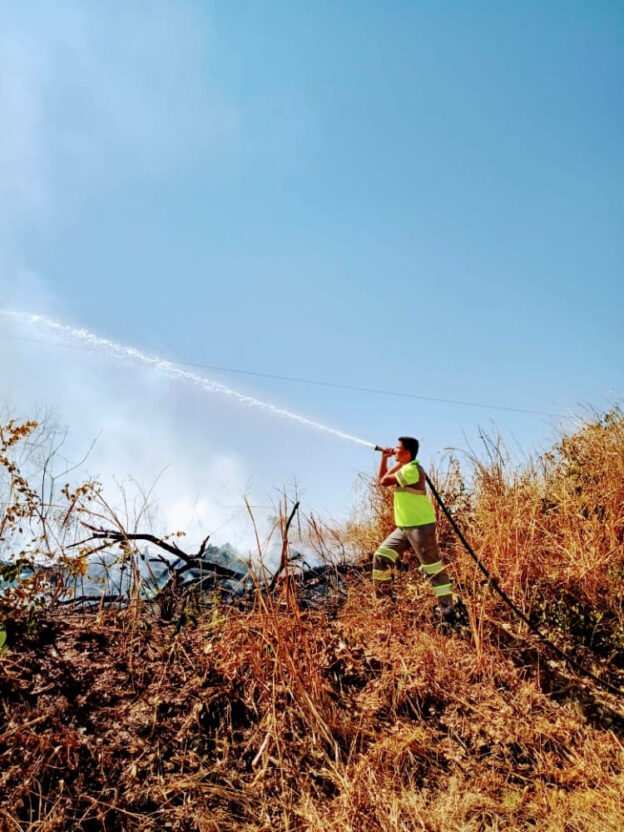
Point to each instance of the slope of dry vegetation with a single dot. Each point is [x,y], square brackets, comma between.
[359,716]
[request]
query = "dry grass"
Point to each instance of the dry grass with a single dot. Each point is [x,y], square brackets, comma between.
[361,718]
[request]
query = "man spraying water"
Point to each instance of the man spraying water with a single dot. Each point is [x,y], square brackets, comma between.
[415,519]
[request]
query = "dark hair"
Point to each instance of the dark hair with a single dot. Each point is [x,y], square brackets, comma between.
[410,444]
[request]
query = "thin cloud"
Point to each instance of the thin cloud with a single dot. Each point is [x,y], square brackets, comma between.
[95,97]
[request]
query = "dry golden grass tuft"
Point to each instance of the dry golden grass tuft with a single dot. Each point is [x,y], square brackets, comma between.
[362,717]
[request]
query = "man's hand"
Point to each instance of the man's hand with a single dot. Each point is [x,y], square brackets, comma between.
[383,467]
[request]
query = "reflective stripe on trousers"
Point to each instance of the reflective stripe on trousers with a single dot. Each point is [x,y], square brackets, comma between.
[422,539]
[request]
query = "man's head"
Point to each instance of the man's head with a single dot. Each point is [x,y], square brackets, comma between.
[406,449]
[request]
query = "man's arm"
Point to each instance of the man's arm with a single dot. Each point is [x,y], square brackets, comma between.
[386,477]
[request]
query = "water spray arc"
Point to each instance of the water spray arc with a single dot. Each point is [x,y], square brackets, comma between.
[169,368]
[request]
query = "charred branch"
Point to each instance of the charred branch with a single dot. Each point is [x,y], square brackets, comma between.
[192,561]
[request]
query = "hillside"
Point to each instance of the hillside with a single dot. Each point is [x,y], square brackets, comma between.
[350,713]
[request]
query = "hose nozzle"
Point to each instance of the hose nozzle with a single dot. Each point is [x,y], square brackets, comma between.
[378,448]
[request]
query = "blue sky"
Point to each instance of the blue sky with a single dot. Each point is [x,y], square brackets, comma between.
[421,197]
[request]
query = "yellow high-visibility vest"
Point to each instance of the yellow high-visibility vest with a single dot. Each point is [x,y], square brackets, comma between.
[412,506]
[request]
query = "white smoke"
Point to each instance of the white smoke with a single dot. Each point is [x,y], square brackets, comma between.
[146,439]
[155,430]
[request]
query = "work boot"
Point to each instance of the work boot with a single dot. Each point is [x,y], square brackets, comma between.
[384,590]
[385,605]
[451,616]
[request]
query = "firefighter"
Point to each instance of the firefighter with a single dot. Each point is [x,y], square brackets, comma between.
[414,516]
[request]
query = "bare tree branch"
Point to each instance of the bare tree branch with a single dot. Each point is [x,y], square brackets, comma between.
[284,558]
[192,561]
